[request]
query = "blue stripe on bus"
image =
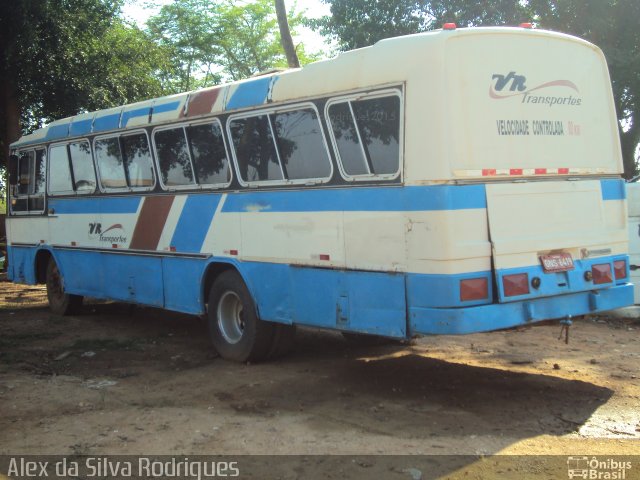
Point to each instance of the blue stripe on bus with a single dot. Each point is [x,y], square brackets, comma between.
[250,94]
[194,222]
[95,205]
[80,127]
[166,107]
[138,112]
[444,197]
[106,122]
[56,132]
[613,189]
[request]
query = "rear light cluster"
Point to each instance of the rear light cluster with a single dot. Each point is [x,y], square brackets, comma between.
[601,273]
[516,284]
[620,269]
[474,289]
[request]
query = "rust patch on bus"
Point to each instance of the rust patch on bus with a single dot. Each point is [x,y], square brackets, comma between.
[153,216]
[201,103]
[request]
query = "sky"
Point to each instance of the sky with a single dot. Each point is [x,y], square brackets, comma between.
[140,10]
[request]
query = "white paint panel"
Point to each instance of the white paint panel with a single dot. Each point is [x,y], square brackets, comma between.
[534,69]
[375,241]
[27,230]
[293,237]
[172,221]
[526,219]
[448,242]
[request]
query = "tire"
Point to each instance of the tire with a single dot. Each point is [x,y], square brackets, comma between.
[235,329]
[358,340]
[60,303]
[283,339]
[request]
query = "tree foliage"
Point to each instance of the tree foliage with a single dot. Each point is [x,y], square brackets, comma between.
[610,24]
[60,57]
[214,40]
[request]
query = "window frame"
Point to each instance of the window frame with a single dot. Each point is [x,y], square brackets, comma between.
[73,191]
[366,95]
[28,196]
[271,111]
[118,135]
[183,126]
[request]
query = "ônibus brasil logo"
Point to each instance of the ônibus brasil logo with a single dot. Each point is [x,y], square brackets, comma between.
[513,85]
[113,234]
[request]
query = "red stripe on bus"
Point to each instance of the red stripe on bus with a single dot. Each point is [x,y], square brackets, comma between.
[487,172]
[515,171]
[540,171]
[563,170]
[153,216]
[201,103]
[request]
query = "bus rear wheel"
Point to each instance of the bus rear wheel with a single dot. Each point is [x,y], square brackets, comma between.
[235,329]
[60,303]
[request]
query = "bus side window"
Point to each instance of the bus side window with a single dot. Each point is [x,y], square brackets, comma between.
[59,171]
[301,145]
[84,175]
[208,154]
[366,132]
[40,172]
[25,173]
[173,157]
[256,153]
[110,164]
[138,163]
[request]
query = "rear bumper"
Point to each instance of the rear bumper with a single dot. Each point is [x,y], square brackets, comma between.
[484,318]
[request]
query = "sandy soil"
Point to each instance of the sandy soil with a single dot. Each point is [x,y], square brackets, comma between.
[118,379]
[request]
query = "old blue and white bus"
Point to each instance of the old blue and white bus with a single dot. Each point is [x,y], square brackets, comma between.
[457,181]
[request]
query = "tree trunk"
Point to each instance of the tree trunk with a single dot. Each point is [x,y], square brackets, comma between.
[285,35]
[10,131]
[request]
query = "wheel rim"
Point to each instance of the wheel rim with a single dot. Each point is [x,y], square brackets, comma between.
[230,317]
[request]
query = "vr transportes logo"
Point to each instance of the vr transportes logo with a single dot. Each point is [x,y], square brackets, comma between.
[514,85]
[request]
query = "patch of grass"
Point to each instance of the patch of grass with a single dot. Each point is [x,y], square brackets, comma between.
[105,344]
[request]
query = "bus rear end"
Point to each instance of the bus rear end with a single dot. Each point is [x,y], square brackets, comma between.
[532,136]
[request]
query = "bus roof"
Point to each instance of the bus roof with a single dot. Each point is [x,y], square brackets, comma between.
[348,71]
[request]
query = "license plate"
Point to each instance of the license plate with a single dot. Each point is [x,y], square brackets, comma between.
[556,262]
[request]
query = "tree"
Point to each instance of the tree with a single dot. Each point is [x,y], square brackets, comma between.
[610,24]
[215,40]
[60,57]
[285,35]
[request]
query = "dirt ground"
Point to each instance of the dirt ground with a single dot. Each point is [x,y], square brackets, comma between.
[118,379]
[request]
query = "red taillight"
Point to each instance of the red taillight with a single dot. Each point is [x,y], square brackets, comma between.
[516,284]
[620,269]
[474,289]
[602,273]
[449,26]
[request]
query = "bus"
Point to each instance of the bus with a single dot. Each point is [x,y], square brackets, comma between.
[451,182]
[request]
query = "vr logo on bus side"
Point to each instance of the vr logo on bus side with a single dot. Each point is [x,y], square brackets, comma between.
[517,82]
[95,228]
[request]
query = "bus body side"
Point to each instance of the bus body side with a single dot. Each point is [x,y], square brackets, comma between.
[507,163]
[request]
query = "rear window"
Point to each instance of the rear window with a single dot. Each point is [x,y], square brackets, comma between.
[366,133]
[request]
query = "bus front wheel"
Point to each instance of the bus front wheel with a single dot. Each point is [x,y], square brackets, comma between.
[60,303]
[236,331]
